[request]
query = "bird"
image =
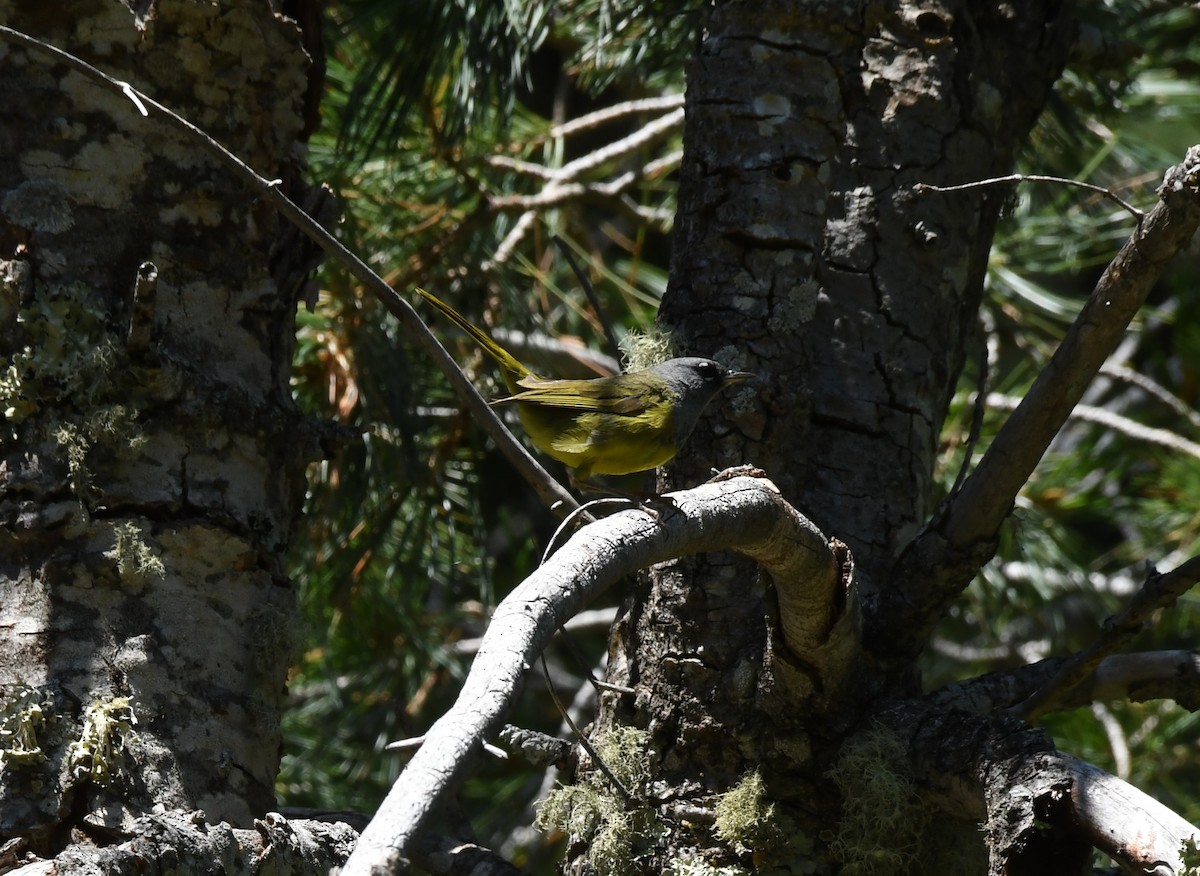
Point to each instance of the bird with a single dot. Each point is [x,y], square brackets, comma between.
[616,425]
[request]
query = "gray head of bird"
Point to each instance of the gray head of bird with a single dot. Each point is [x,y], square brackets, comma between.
[696,381]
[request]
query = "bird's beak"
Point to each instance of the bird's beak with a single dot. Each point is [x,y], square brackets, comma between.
[738,376]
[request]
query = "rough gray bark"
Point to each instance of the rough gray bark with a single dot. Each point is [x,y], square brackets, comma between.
[151,460]
[802,246]
[186,843]
[803,254]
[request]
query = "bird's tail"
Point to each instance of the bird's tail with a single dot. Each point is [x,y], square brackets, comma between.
[513,370]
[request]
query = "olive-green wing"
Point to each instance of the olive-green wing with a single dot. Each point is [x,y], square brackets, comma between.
[625,394]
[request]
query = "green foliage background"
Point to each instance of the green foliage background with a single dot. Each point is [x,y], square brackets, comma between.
[437,117]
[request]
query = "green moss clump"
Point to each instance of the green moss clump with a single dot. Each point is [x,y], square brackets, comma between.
[107,731]
[68,359]
[694,865]
[21,717]
[644,349]
[744,818]
[616,830]
[1189,853]
[883,818]
[69,380]
[626,751]
[136,560]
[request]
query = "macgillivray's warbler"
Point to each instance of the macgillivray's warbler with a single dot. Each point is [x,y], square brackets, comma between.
[605,425]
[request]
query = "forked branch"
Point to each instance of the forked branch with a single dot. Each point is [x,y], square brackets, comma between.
[943,558]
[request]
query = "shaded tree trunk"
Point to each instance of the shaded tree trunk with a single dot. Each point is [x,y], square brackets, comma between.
[803,253]
[152,458]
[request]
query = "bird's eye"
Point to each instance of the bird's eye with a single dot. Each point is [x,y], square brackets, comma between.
[709,370]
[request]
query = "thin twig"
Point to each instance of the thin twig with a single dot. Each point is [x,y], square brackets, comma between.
[582,512]
[625,793]
[1014,178]
[625,146]
[551,492]
[509,245]
[558,191]
[662,218]
[1152,389]
[1116,422]
[620,110]
[1118,744]
[418,741]
[517,165]
[585,281]
[979,409]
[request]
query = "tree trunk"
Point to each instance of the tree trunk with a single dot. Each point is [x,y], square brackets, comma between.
[153,459]
[803,253]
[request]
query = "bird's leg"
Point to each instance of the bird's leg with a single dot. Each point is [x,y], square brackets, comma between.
[638,498]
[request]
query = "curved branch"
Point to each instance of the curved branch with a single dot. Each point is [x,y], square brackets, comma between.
[745,514]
